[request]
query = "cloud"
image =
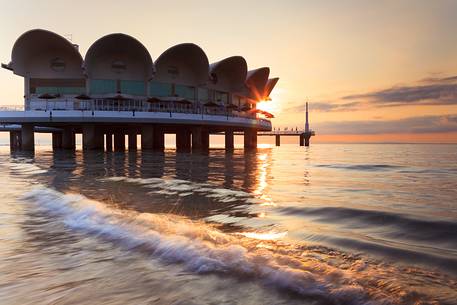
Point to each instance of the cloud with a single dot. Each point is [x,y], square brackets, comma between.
[430,94]
[423,124]
[326,107]
[434,91]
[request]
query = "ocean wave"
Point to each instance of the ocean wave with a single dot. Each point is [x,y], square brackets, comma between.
[432,230]
[310,272]
[398,237]
[185,188]
[26,168]
[362,167]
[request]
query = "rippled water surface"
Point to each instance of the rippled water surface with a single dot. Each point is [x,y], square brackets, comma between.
[332,224]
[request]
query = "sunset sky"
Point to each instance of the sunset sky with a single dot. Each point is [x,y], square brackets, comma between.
[373,71]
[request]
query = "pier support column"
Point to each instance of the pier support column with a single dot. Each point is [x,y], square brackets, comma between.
[307,137]
[302,139]
[109,141]
[147,137]
[278,140]
[183,140]
[56,140]
[200,139]
[250,138]
[133,145]
[15,140]
[92,138]
[68,138]
[28,137]
[158,142]
[119,141]
[229,140]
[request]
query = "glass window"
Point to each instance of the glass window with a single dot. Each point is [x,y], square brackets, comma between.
[160,89]
[103,86]
[132,87]
[203,94]
[187,92]
[60,90]
[221,97]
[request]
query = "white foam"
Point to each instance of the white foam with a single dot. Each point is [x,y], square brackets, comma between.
[198,246]
[27,168]
[185,188]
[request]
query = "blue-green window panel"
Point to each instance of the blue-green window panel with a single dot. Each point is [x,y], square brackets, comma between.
[103,86]
[221,97]
[160,89]
[133,87]
[203,94]
[60,90]
[187,92]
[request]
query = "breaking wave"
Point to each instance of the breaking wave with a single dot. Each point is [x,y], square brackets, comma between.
[186,188]
[24,168]
[312,272]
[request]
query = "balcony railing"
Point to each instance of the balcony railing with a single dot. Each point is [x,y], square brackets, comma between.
[128,105]
[134,105]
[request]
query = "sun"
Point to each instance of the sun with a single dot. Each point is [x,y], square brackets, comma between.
[270,106]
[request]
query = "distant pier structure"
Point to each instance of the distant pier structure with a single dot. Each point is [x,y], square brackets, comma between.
[303,135]
[117,91]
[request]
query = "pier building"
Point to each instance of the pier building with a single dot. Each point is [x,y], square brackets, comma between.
[117,89]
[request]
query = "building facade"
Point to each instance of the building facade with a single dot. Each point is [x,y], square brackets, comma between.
[118,74]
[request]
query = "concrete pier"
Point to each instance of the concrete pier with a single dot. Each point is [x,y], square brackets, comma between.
[278,140]
[119,141]
[147,137]
[15,140]
[183,140]
[250,138]
[302,139]
[28,137]
[109,141]
[133,145]
[92,138]
[307,137]
[68,138]
[158,139]
[56,140]
[229,140]
[200,139]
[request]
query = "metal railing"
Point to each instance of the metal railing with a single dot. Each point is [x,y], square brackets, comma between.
[134,105]
[64,104]
[11,107]
[287,132]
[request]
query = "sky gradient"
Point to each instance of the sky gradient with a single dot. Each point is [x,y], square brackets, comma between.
[383,71]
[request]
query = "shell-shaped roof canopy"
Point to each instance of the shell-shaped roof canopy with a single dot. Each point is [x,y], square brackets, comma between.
[256,80]
[45,54]
[229,74]
[118,56]
[271,83]
[184,63]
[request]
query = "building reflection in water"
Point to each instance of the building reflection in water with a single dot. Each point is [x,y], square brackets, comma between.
[192,185]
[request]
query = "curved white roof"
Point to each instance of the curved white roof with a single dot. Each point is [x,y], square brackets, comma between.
[256,81]
[118,54]
[271,83]
[43,54]
[229,74]
[184,63]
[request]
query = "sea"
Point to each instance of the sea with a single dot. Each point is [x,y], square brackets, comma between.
[327,224]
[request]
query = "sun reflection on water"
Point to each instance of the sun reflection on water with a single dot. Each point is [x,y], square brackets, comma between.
[262,174]
[265,235]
